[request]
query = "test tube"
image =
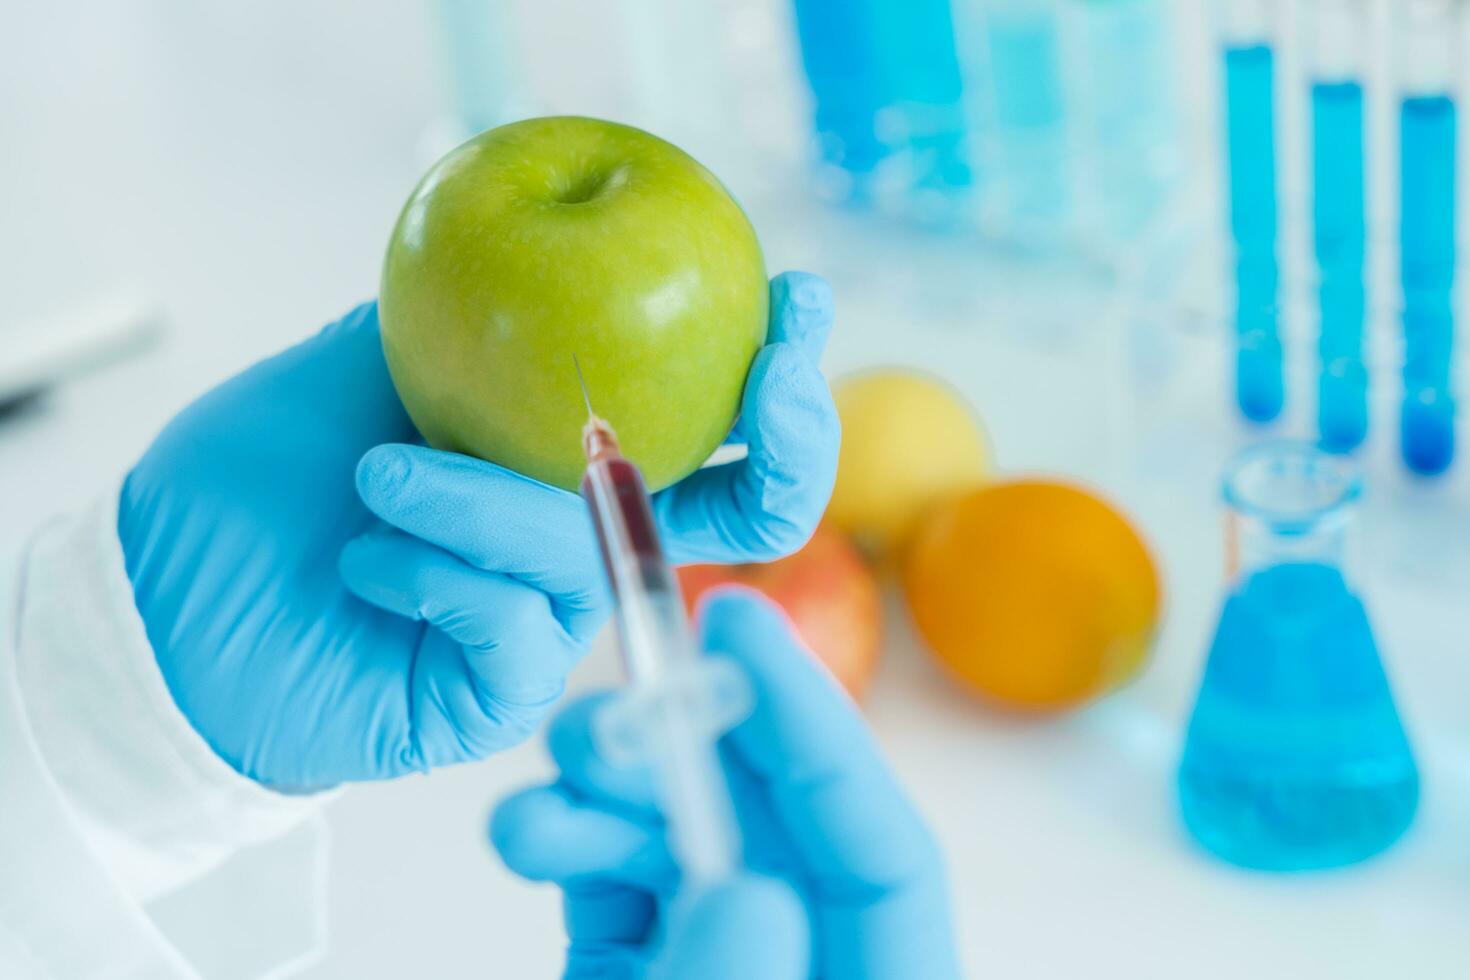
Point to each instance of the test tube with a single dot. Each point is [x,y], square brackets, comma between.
[885,78]
[1123,111]
[1250,135]
[920,57]
[1023,51]
[1428,36]
[1339,222]
[480,49]
[840,54]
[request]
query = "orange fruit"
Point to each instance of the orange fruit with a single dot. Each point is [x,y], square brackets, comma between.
[1033,593]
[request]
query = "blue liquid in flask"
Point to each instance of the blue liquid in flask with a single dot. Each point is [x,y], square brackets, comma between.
[1295,757]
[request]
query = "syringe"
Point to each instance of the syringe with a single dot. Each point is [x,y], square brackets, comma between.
[677,703]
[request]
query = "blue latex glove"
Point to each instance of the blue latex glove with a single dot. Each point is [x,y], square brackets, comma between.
[818,808]
[700,937]
[314,631]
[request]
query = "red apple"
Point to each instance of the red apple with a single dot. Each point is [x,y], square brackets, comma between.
[827,591]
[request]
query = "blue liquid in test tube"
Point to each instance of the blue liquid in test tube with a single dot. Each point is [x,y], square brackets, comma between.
[839,51]
[885,77]
[1123,109]
[921,61]
[1251,145]
[1427,243]
[1340,233]
[1024,54]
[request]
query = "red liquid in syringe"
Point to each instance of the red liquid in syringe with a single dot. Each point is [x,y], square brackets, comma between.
[614,489]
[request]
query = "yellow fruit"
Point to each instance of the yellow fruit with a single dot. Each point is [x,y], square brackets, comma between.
[1036,594]
[908,441]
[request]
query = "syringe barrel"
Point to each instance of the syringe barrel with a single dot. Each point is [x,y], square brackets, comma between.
[651,620]
[675,707]
[614,489]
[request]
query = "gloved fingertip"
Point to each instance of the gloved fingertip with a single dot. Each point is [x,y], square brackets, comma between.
[729,605]
[551,834]
[382,472]
[801,311]
[752,898]
[570,733]
[516,829]
[787,388]
[363,316]
[574,745]
[748,906]
[350,557]
[810,292]
[359,565]
[364,551]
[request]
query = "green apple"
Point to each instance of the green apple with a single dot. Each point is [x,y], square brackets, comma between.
[559,236]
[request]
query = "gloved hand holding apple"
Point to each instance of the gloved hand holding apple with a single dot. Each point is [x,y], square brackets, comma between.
[329,600]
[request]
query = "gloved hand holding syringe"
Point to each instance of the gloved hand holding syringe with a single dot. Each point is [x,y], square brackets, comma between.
[677,703]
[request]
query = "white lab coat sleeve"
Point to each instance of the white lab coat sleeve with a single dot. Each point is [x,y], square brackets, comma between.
[127,847]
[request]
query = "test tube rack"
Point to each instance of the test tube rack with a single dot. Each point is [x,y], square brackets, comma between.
[1047,126]
[1340,159]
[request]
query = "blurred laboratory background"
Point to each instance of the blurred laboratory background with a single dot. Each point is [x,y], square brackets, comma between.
[1149,305]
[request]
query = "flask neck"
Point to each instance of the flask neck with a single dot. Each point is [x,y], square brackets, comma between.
[1288,504]
[1254,545]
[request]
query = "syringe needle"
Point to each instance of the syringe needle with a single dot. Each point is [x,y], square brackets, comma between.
[598,441]
[581,380]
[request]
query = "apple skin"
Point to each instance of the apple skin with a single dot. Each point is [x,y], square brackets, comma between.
[827,591]
[559,236]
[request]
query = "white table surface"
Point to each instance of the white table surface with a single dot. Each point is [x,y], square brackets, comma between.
[244,163]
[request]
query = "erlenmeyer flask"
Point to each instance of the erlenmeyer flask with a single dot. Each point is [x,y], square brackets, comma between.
[1295,757]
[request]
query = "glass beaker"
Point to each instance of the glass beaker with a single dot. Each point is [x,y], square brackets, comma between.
[1295,757]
